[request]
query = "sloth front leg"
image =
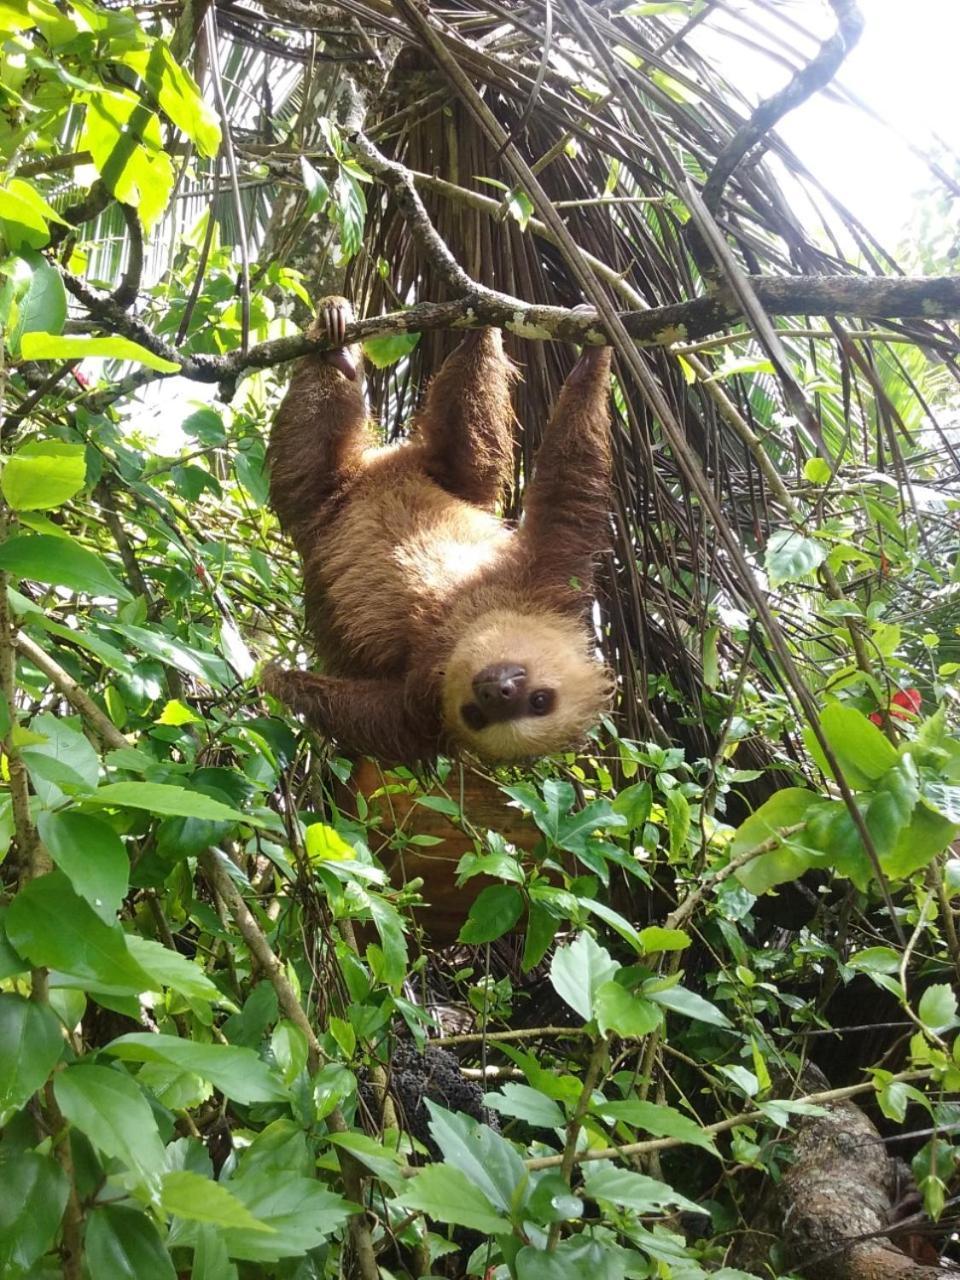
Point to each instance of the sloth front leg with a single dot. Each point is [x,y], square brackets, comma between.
[368,717]
[320,430]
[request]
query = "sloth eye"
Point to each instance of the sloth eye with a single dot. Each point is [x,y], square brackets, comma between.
[541,701]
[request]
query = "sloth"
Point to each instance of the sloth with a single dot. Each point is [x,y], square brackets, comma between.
[440,627]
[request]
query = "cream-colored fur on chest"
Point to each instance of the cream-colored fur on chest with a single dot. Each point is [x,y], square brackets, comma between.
[401,547]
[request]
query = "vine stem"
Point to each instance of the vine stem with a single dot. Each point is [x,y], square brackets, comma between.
[568,1159]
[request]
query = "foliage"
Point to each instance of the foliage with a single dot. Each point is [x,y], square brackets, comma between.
[205,972]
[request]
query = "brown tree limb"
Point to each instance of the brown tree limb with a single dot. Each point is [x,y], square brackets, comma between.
[877,299]
[834,1204]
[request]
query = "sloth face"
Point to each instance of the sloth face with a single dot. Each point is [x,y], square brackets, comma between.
[522,685]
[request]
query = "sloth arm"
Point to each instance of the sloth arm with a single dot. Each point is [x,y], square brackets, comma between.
[320,431]
[466,422]
[566,504]
[369,717]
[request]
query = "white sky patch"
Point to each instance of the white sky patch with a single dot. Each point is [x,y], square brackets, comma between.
[904,68]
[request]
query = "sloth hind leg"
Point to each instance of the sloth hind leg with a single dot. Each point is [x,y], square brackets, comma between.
[466,422]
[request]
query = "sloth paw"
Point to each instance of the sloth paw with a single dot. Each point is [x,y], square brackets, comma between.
[334,314]
[592,361]
[272,678]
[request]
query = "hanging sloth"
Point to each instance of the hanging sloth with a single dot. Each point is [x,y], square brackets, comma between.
[440,626]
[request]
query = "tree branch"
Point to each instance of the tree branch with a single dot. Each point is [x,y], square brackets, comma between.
[877,299]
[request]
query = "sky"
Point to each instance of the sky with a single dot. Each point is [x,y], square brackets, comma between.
[906,67]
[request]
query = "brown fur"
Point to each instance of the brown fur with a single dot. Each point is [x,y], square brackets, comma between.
[413,585]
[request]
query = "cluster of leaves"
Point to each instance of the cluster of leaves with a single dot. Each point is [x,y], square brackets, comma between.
[190,1035]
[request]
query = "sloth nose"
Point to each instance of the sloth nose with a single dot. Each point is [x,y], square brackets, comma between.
[500,685]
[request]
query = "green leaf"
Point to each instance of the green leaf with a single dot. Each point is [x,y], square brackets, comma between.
[691,1005]
[862,751]
[53,928]
[524,1103]
[24,215]
[789,858]
[575,1258]
[33,1195]
[110,1109]
[124,1244]
[164,798]
[31,1042]
[43,305]
[678,821]
[210,1258]
[43,474]
[178,95]
[603,1181]
[487,1160]
[927,834]
[389,348]
[60,562]
[62,757]
[316,187]
[790,556]
[654,939]
[189,1195]
[300,1212]
[817,470]
[92,855]
[938,1008]
[123,136]
[494,913]
[168,968]
[659,1120]
[577,973]
[628,1015]
[235,1071]
[52,346]
[448,1195]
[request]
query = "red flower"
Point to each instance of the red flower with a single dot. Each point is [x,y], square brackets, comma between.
[904,704]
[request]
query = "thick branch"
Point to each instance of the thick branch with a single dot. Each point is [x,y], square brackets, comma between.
[833,1206]
[876,299]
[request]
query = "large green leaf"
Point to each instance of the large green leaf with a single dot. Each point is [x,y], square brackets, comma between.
[299,1211]
[235,1071]
[31,1042]
[54,928]
[91,854]
[790,556]
[188,1195]
[33,1194]
[861,749]
[579,971]
[495,911]
[62,346]
[43,303]
[604,1181]
[61,562]
[164,798]
[124,1244]
[446,1194]
[43,474]
[110,1109]
[488,1160]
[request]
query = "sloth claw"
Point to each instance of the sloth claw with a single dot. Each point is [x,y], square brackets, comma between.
[333,316]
